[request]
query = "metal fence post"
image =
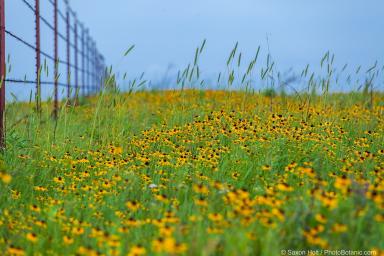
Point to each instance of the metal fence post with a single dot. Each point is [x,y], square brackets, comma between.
[68,54]
[94,71]
[90,85]
[56,57]
[104,72]
[98,71]
[82,60]
[38,61]
[2,75]
[101,72]
[76,62]
[93,65]
[88,64]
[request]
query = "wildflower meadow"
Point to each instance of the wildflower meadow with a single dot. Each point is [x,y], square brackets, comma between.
[191,128]
[194,173]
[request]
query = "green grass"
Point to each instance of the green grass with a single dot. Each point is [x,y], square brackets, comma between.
[209,173]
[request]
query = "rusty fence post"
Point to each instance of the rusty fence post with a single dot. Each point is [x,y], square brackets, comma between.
[82,60]
[94,66]
[2,75]
[101,72]
[96,73]
[98,70]
[68,53]
[56,65]
[103,66]
[38,61]
[76,61]
[88,63]
[104,72]
[91,73]
[90,67]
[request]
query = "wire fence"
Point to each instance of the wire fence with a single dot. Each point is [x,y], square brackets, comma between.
[88,63]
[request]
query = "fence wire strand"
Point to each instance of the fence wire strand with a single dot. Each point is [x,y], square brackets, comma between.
[47,55]
[19,81]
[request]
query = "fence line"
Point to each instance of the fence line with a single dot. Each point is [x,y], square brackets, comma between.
[92,70]
[2,74]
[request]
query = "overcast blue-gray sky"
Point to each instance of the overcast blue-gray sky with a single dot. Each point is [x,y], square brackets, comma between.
[167,32]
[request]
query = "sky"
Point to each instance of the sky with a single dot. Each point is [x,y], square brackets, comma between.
[166,33]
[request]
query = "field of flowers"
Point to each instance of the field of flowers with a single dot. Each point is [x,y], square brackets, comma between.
[194,173]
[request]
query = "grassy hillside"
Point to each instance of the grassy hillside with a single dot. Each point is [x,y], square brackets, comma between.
[194,173]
